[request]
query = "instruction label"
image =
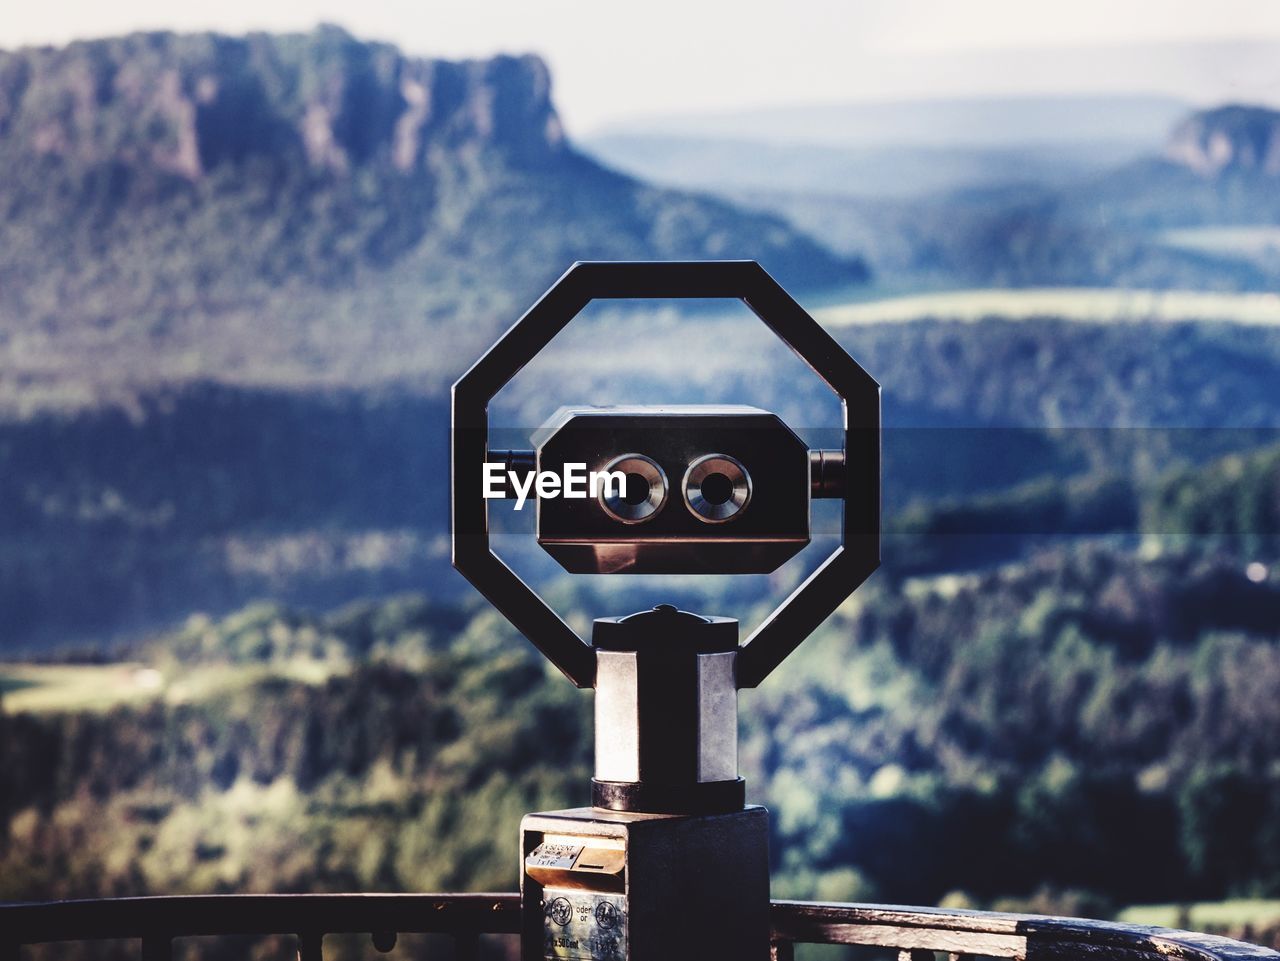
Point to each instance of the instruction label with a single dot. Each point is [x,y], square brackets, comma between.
[583,925]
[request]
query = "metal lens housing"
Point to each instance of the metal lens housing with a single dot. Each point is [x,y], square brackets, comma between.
[717,488]
[632,510]
[595,535]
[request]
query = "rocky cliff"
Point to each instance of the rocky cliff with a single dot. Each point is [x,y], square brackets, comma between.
[1228,139]
[187,104]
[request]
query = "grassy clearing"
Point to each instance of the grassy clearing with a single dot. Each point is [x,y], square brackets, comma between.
[51,688]
[1088,304]
[1248,242]
[1216,915]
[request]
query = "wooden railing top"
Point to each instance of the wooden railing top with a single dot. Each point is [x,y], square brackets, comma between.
[991,934]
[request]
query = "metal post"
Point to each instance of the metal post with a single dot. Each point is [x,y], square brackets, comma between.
[669,865]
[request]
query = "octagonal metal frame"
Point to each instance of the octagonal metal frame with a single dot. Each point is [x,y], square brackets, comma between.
[809,604]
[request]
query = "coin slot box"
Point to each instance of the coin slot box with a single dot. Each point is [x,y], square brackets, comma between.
[579,883]
[601,885]
[595,863]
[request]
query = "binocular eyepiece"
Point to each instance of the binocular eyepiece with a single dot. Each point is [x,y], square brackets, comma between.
[716,488]
[607,504]
[635,489]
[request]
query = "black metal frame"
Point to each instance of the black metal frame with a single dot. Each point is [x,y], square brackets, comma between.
[814,600]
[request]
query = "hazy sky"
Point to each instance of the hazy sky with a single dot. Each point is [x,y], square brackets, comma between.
[615,60]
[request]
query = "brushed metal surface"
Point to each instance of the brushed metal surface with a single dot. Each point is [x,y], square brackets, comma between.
[617,716]
[717,717]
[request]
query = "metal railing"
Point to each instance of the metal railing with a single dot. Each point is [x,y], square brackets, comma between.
[914,933]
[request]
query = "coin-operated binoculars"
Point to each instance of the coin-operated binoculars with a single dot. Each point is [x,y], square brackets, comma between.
[669,863]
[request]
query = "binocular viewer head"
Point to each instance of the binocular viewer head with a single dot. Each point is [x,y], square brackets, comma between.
[673,490]
[668,490]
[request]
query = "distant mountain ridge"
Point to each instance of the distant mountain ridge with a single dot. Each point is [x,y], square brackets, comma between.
[893,149]
[305,210]
[946,122]
[1197,209]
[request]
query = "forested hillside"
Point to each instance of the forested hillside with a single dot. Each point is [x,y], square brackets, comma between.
[1087,722]
[1083,724]
[207,497]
